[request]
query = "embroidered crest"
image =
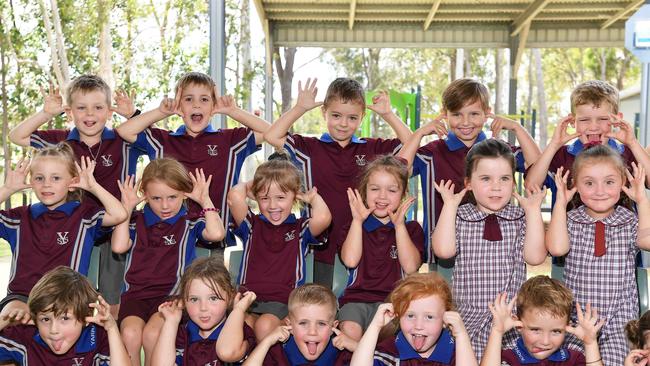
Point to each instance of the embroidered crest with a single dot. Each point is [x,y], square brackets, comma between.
[288,236]
[169,239]
[78,361]
[393,252]
[212,150]
[361,160]
[62,237]
[106,160]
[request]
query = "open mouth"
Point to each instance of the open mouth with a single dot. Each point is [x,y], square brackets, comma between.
[418,341]
[312,347]
[89,123]
[594,137]
[57,345]
[275,215]
[466,130]
[196,117]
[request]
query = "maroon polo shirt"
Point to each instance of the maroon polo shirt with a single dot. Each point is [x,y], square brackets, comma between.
[288,354]
[396,350]
[192,349]
[333,169]
[519,356]
[379,269]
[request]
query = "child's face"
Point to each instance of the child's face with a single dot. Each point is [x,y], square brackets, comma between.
[163,200]
[422,324]
[599,185]
[593,123]
[275,204]
[51,181]
[543,333]
[311,326]
[196,107]
[342,119]
[383,192]
[492,184]
[61,332]
[89,112]
[204,307]
[467,122]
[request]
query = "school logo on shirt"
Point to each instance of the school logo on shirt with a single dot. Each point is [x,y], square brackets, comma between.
[78,361]
[393,252]
[212,150]
[62,237]
[361,160]
[212,363]
[169,239]
[289,236]
[106,160]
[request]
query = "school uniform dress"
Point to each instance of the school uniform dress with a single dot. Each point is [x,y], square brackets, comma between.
[273,262]
[194,350]
[396,351]
[42,239]
[333,169]
[519,356]
[23,344]
[372,280]
[444,159]
[487,267]
[606,280]
[288,354]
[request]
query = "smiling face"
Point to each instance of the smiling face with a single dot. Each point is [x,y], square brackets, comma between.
[59,332]
[599,184]
[89,111]
[50,180]
[422,324]
[196,105]
[542,332]
[311,326]
[383,192]
[275,204]
[593,122]
[342,119]
[205,307]
[491,183]
[163,200]
[467,122]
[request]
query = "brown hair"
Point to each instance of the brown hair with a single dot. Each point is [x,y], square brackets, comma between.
[85,84]
[417,286]
[60,290]
[64,152]
[312,294]
[168,171]
[634,330]
[545,294]
[213,273]
[462,92]
[345,90]
[389,164]
[486,149]
[594,92]
[279,170]
[196,78]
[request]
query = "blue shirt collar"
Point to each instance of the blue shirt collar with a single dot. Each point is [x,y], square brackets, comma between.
[577,146]
[526,358]
[372,223]
[327,358]
[194,335]
[454,143]
[328,139]
[291,219]
[442,353]
[37,209]
[87,340]
[107,134]
[150,218]
[181,130]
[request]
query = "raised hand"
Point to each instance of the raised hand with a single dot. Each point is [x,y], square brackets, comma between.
[124,103]
[200,187]
[564,194]
[169,106]
[624,131]
[281,334]
[637,357]
[86,179]
[533,199]
[244,301]
[101,314]
[129,193]
[397,217]
[308,196]
[384,315]
[437,126]
[342,341]
[454,322]
[501,309]
[307,95]
[636,190]
[501,123]
[588,324]
[359,210]
[446,190]
[224,105]
[18,316]
[52,101]
[16,177]
[380,103]
[172,310]
[561,136]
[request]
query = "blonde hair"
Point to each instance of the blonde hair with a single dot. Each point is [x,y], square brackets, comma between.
[167,171]
[196,78]
[86,84]
[213,273]
[594,92]
[634,330]
[417,286]
[389,164]
[62,289]
[545,294]
[312,294]
[279,170]
[64,152]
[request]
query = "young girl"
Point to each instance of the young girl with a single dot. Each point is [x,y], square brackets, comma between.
[380,247]
[60,229]
[600,240]
[275,241]
[491,239]
[430,333]
[638,335]
[207,294]
[160,240]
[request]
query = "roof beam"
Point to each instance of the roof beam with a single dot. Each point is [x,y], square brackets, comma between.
[527,16]
[523,37]
[432,14]
[631,6]
[353,9]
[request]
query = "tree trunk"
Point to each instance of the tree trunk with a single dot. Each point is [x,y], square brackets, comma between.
[285,74]
[105,43]
[131,8]
[453,55]
[603,64]
[468,62]
[47,25]
[541,99]
[5,113]
[372,72]
[625,66]
[499,81]
[247,68]
[60,45]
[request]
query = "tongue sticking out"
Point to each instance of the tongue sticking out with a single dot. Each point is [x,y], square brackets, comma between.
[593,138]
[311,348]
[57,345]
[275,216]
[418,342]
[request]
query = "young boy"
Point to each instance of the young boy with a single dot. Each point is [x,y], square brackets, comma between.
[594,111]
[333,161]
[73,326]
[465,108]
[543,309]
[307,337]
[88,100]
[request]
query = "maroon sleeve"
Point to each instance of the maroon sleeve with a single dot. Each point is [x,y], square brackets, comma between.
[275,356]
[103,347]
[508,357]
[417,236]
[384,146]
[249,336]
[344,358]
[559,160]
[41,138]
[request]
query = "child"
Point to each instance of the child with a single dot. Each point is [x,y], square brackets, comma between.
[333,161]
[275,241]
[594,111]
[600,239]
[491,239]
[207,294]
[73,326]
[160,237]
[310,336]
[638,335]
[430,333]
[88,100]
[465,108]
[60,229]
[380,247]
[543,310]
